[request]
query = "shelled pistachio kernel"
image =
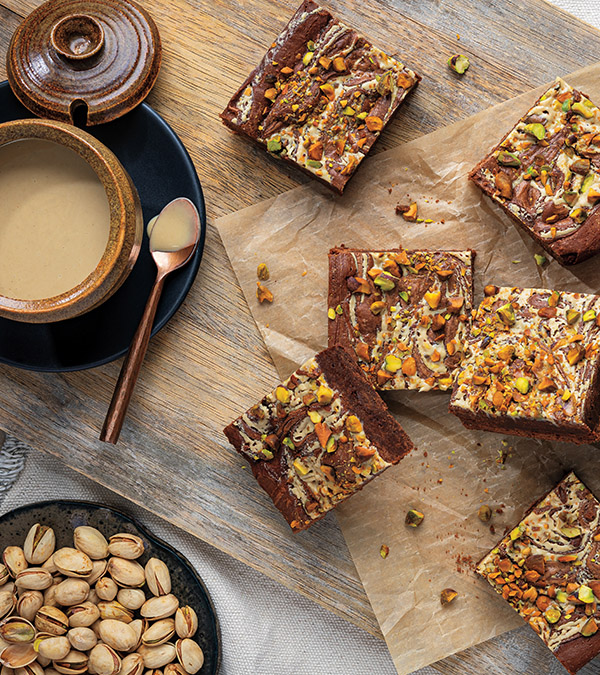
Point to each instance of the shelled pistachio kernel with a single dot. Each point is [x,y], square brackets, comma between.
[262,272]
[414,518]
[459,63]
[447,596]
[485,513]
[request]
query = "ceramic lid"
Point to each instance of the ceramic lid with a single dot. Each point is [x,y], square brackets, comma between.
[84,61]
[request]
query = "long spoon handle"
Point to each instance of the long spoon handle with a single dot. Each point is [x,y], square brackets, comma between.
[131,368]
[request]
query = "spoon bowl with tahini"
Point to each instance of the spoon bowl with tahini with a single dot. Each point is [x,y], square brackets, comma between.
[174,235]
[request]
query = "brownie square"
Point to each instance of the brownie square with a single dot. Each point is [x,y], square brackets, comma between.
[405,314]
[545,173]
[531,365]
[548,569]
[318,438]
[320,97]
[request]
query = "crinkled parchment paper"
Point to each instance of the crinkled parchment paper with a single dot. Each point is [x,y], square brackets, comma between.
[453,471]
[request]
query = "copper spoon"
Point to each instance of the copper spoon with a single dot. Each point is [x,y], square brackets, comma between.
[166,262]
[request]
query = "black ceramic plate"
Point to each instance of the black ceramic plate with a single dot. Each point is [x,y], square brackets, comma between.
[64,516]
[162,170]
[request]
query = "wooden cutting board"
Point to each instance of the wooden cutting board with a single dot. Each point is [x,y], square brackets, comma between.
[210,364]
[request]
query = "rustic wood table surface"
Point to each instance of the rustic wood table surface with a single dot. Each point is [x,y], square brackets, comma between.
[210,363]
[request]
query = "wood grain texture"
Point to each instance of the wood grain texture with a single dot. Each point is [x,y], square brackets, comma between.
[209,364]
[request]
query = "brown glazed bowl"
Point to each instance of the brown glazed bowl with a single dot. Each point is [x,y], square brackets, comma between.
[125,231]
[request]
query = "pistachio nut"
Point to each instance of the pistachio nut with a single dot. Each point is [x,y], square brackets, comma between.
[189,655]
[127,573]
[4,574]
[132,664]
[72,563]
[16,630]
[91,541]
[34,668]
[157,577]
[118,635]
[174,669]
[72,592]
[50,567]
[131,598]
[52,620]
[125,545]
[154,671]
[93,597]
[159,607]
[186,622]
[39,544]
[159,632]
[158,656]
[5,670]
[115,610]
[18,656]
[51,671]
[106,589]
[14,559]
[82,638]
[84,614]
[29,604]
[139,626]
[73,663]
[53,647]
[104,660]
[50,595]
[98,571]
[43,661]
[34,578]
[8,600]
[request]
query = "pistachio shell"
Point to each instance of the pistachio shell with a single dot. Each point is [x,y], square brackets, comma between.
[72,563]
[44,662]
[51,567]
[84,614]
[107,589]
[16,630]
[53,647]
[189,655]
[186,622]
[125,545]
[50,596]
[82,638]
[8,601]
[159,656]
[132,664]
[31,669]
[52,620]
[118,635]
[159,632]
[131,598]
[91,541]
[158,577]
[72,592]
[39,544]
[4,574]
[5,670]
[115,610]
[98,571]
[51,671]
[34,578]
[159,607]
[139,626]
[29,604]
[126,573]
[18,656]
[104,661]
[174,669]
[74,662]
[14,559]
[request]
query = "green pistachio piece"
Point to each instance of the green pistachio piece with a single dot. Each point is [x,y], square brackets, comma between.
[507,314]
[274,145]
[362,115]
[587,183]
[581,109]
[578,215]
[339,310]
[459,63]
[306,59]
[590,315]
[330,445]
[522,384]
[570,532]
[349,111]
[385,282]
[570,197]
[288,441]
[572,316]
[566,106]
[561,596]
[414,518]
[585,594]
[552,614]
[515,534]
[532,172]
[310,46]
[536,129]
[314,164]
[507,158]
[589,628]
[539,259]
[403,295]
[267,453]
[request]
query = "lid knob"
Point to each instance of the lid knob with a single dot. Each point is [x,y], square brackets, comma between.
[77,36]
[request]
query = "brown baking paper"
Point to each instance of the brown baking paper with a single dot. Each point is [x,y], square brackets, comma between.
[453,471]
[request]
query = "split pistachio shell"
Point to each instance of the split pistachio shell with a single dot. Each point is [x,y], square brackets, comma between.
[7,602]
[139,626]
[189,655]
[91,541]
[34,668]
[131,598]
[29,604]
[43,661]
[73,663]
[52,620]
[51,567]
[5,670]
[186,622]
[174,669]
[53,647]
[158,577]
[93,597]
[115,610]
[132,664]
[98,571]
[157,657]
[82,638]
[39,544]
[14,559]
[106,589]
[18,656]
[72,592]
[72,563]
[118,635]
[84,614]
[125,545]
[50,596]
[159,632]
[16,630]
[104,661]
[126,573]
[159,607]
[4,574]
[34,578]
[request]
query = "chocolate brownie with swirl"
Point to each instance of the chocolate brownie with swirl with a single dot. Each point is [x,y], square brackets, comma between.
[548,569]
[318,437]
[320,97]
[405,314]
[545,173]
